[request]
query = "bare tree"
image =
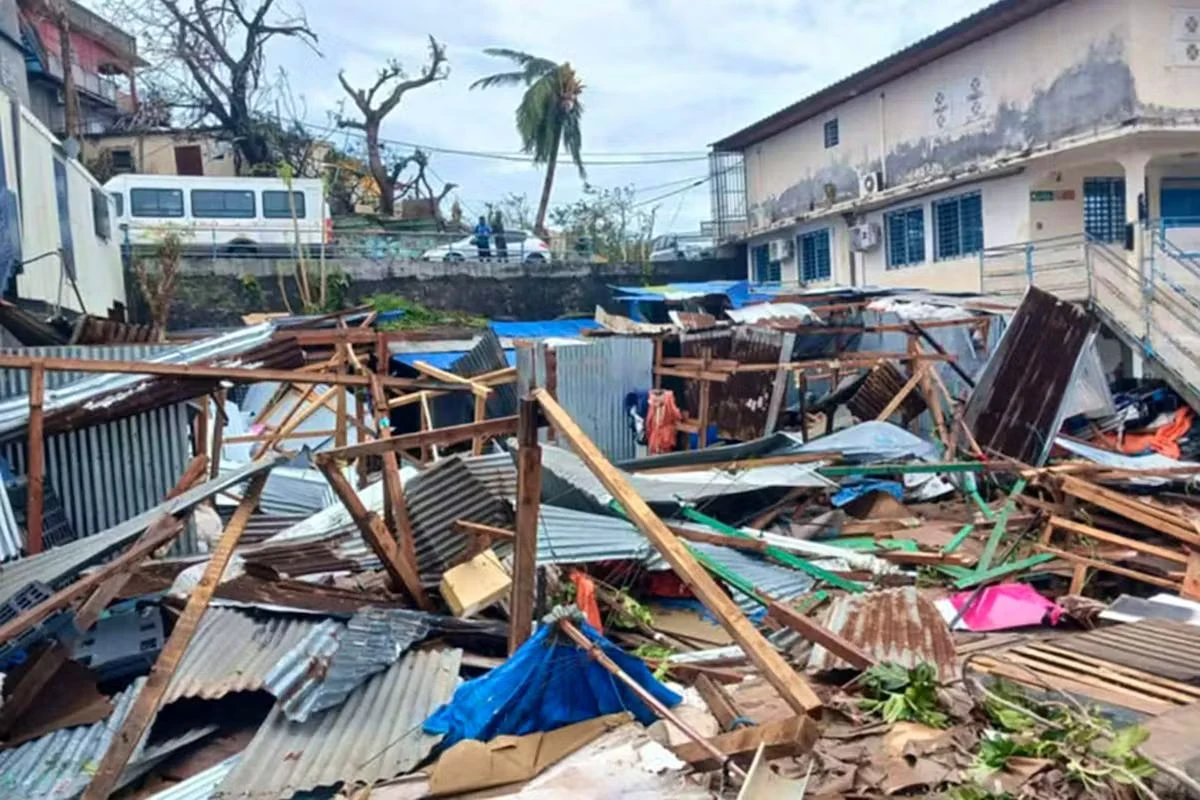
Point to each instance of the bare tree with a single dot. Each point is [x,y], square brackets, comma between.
[380,99]
[159,280]
[419,186]
[209,56]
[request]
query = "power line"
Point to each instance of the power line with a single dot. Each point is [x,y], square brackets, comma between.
[687,188]
[590,160]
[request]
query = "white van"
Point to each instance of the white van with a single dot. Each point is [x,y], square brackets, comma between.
[225,214]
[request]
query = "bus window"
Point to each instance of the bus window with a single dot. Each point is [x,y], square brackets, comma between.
[222,204]
[118,203]
[276,206]
[156,202]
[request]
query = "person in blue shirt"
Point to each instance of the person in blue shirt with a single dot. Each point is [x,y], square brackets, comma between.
[483,239]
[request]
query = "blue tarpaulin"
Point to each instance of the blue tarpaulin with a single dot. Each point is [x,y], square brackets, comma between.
[544,329]
[853,491]
[548,683]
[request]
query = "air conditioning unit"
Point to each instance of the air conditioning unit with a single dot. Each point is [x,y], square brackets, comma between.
[870,182]
[864,237]
[780,249]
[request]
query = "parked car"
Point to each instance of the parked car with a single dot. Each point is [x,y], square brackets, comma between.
[521,246]
[672,247]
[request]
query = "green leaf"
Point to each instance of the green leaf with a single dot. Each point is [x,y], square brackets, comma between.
[1126,740]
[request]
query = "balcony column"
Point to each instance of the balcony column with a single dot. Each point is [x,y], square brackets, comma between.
[1136,194]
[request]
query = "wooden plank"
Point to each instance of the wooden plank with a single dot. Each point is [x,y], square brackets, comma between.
[1080,529]
[529,498]
[164,530]
[209,373]
[1119,697]
[790,685]
[443,437]
[145,705]
[480,416]
[1191,577]
[479,529]
[718,701]
[218,443]
[1151,517]
[36,472]
[894,404]
[396,504]
[1121,669]
[818,634]
[752,545]
[747,463]
[787,737]
[1104,566]
[375,533]
[1066,668]
[479,390]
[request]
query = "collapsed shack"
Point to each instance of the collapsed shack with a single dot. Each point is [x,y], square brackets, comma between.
[848,546]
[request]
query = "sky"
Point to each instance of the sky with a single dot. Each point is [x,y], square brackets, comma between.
[660,76]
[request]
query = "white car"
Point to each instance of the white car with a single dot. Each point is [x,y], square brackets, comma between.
[520,245]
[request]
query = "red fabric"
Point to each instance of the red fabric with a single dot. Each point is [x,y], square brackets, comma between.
[1165,440]
[662,415]
[585,598]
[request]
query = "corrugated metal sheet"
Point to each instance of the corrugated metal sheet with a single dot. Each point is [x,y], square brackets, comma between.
[774,445]
[233,651]
[775,580]
[15,382]
[772,311]
[439,496]
[14,411]
[497,472]
[291,490]
[12,537]
[1017,406]
[577,537]
[370,642]
[61,565]
[486,355]
[108,473]
[881,386]
[897,625]
[740,406]
[592,381]
[375,735]
[200,786]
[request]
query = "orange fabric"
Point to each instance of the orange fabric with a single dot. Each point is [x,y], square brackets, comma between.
[662,415]
[1165,440]
[585,598]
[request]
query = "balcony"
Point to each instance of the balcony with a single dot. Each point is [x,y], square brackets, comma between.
[98,86]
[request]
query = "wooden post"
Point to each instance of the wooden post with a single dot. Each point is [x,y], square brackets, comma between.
[146,704]
[658,357]
[802,387]
[480,416]
[376,535]
[787,681]
[395,506]
[427,424]
[340,413]
[529,497]
[218,444]
[705,400]
[200,432]
[360,417]
[36,473]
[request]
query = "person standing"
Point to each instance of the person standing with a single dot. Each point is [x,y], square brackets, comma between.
[483,235]
[498,232]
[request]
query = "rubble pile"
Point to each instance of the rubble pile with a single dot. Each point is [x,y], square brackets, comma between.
[726,543]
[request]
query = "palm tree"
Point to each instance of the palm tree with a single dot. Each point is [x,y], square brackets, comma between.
[548,116]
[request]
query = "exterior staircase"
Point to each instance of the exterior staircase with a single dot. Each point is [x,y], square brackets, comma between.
[1154,308]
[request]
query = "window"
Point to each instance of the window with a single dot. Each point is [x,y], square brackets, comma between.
[101,220]
[276,206]
[957,226]
[1104,208]
[156,202]
[905,234]
[118,203]
[813,252]
[222,204]
[765,270]
[122,160]
[831,133]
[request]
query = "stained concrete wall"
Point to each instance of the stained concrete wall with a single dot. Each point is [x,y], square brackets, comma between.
[1068,71]
[217,292]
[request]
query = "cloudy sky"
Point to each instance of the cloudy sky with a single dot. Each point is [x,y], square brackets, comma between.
[660,76]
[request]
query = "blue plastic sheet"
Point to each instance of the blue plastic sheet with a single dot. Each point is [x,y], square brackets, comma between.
[548,683]
[853,491]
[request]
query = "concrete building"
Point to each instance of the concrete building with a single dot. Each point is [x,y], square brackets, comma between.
[104,56]
[1030,120]
[163,152]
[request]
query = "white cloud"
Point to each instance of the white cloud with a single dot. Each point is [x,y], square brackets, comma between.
[659,74]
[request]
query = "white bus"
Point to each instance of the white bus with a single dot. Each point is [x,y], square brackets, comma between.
[227,215]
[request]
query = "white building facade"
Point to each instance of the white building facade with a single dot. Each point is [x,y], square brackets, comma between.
[1031,120]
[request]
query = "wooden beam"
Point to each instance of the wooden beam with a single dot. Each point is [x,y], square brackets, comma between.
[1078,528]
[790,685]
[1141,513]
[1104,566]
[376,534]
[480,416]
[788,737]
[650,700]
[36,473]
[145,705]
[718,701]
[209,373]
[214,459]
[479,529]
[529,498]
[819,634]
[443,437]
[295,417]
[477,389]
[744,464]
[396,505]
[894,404]
[751,545]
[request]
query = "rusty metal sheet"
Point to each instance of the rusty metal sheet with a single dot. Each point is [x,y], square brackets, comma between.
[1017,406]
[739,407]
[882,385]
[896,625]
